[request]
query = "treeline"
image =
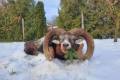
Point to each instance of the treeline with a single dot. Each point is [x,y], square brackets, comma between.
[101,18]
[12,15]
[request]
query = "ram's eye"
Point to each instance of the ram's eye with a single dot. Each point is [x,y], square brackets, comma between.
[55,37]
[56,41]
[78,41]
[61,37]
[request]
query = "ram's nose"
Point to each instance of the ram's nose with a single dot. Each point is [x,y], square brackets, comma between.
[65,45]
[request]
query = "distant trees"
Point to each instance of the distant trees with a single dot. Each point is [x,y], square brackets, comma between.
[101,18]
[114,8]
[69,14]
[38,22]
[11,20]
[97,20]
[97,17]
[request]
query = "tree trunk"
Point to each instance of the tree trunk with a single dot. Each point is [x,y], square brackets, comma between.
[23,33]
[115,37]
[116,29]
[82,20]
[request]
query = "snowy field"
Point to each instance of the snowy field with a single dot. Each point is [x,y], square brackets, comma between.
[16,65]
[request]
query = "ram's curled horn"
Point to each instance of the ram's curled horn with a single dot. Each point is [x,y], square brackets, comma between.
[48,50]
[89,41]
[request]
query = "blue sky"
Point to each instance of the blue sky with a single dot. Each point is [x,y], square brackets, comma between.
[51,8]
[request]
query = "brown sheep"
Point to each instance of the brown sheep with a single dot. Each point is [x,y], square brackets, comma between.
[57,41]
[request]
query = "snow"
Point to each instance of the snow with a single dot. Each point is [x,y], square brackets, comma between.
[16,65]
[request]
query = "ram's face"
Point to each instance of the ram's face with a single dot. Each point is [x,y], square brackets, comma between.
[67,40]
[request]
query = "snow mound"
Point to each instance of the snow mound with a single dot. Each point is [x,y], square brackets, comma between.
[16,65]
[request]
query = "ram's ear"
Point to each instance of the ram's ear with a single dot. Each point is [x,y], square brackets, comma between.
[56,41]
[79,41]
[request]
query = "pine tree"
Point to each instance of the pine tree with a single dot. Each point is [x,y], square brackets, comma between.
[93,14]
[114,8]
[39,20]
[70,13]
[11,18]
[67,14]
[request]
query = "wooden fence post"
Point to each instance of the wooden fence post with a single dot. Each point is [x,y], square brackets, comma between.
[23,31]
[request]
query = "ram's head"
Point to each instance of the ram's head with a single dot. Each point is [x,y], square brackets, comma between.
[66,40]
[58,42]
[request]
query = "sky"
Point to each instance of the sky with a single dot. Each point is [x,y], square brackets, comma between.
[51,8]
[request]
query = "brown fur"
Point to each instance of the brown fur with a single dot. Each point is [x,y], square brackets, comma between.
[55,51]
[30,48]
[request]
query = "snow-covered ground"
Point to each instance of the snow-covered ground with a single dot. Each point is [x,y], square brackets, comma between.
[16,65]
